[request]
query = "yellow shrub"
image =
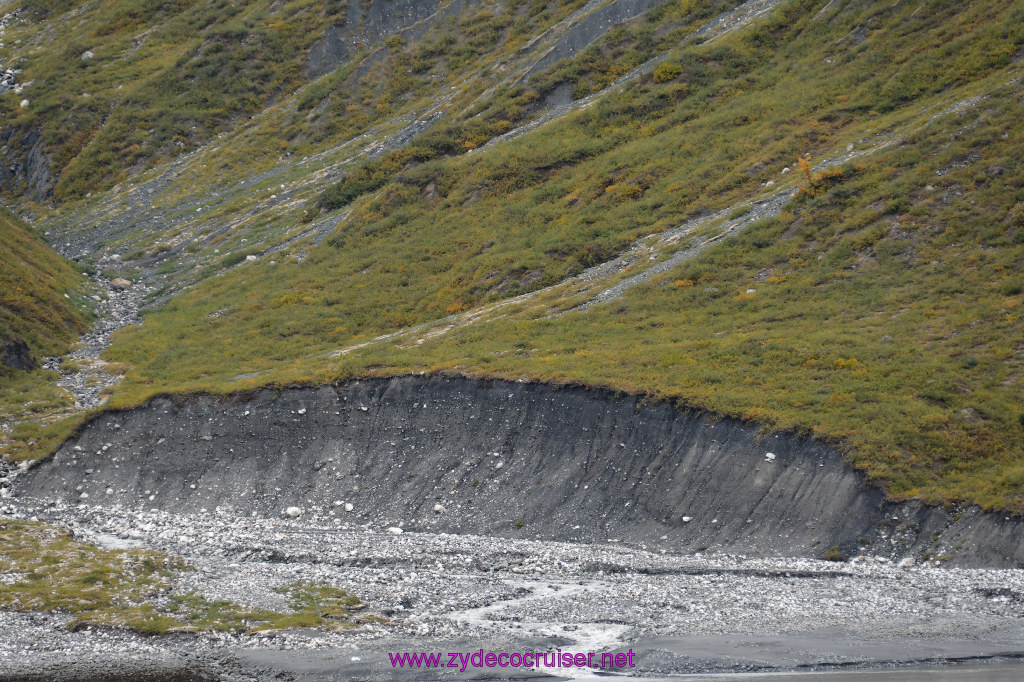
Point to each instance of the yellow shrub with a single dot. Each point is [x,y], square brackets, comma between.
[667,72]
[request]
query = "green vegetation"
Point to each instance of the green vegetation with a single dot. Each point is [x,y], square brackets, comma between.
[165,77]
[615,54]
[44,569]
[41,296]
[881,311]
[42,305]
[168,77]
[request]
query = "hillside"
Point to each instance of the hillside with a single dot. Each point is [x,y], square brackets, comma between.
[808,215]
[36,306]
[43,308]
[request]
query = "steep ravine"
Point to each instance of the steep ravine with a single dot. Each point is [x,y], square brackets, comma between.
[505,459]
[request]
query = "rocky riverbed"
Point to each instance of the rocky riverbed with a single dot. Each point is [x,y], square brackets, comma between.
[679,612]
[82,371]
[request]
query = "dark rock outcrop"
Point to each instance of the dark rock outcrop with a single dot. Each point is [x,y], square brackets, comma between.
[25,165]
[16,354]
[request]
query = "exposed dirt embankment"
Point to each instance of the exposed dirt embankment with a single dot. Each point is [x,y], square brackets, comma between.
[505,459]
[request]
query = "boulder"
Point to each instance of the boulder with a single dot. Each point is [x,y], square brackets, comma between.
[120,284]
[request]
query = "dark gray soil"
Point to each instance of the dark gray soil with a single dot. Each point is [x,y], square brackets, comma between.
[507,459]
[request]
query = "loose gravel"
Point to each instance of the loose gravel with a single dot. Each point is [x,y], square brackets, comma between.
[443,592]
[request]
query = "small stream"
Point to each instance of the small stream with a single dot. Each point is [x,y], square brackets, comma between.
[583,637]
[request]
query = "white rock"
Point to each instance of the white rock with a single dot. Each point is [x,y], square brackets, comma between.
[293,512]
[87,55]
[786,169]
[110,491]
[751,291]
[349,506]
[769,456]
[439,508]
[906,562]
[250,258]
[394,530]
[686,519]
[24,103]
[84,496]
[302,410]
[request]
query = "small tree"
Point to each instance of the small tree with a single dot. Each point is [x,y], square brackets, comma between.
[816,183]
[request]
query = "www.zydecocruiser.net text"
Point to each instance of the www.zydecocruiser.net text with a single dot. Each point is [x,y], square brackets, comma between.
[479,659]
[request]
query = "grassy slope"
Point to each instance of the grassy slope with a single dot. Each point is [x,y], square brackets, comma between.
[886,313]
[384,86]
[35,285]
[42,301]
[169,76]
[166,76]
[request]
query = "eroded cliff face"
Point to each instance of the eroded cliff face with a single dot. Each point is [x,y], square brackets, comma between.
[506,459]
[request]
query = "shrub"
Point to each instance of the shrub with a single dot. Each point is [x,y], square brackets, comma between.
[834,553]
[667,72]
